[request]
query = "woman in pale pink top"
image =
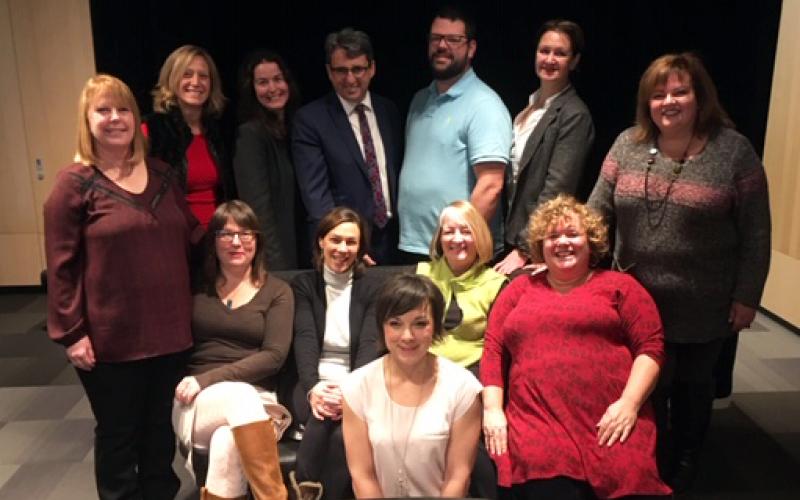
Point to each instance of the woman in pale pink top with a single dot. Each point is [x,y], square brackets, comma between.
[411,418]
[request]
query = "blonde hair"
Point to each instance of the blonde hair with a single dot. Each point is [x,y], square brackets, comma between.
[115,89]
[476,223]
[169,79]
[564,207]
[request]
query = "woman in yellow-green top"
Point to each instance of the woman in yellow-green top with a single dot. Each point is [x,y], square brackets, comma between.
[460,249]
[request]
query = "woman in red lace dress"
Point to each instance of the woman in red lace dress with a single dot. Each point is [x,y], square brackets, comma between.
[578,349]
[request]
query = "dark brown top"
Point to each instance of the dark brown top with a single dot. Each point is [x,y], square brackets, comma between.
[245,344]
[117,264]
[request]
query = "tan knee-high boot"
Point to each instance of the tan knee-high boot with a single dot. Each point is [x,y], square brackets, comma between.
[207,495]
[258,450]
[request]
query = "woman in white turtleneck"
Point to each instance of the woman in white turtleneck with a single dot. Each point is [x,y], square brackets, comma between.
[334,333]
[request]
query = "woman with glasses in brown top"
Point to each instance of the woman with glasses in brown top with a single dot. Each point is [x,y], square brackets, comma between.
[242,329]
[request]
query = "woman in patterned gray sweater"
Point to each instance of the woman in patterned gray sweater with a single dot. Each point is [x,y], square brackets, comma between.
[688,196]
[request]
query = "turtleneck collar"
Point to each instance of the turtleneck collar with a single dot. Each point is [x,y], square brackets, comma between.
[337,280]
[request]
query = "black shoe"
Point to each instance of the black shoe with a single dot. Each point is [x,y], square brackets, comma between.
[683,474]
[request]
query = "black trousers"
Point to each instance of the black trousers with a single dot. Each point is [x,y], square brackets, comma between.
[683,399]
[134,442]
[563,488]
[321,458]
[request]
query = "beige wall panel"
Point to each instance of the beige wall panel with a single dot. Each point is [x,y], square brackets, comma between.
[782,162]
[17,208]
[781,293]
[55,55]
[18,264]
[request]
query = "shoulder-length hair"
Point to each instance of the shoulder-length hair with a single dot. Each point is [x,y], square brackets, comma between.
[404,292]
[711,116]
[114,88]
[169,79]
[564,207]
[244,217]
[250,107]
[340,215]
[477,224]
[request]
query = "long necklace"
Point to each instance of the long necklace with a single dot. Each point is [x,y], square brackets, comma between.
[402,474]
[656,207]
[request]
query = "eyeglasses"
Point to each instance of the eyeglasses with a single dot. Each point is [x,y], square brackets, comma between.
[246,236]
[450,40]
[342,71]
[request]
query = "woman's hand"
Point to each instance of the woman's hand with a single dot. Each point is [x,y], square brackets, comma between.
[617,423]
[81,354]
[187,390]
[513,261]
[495,431]
[741,316]
[325,399]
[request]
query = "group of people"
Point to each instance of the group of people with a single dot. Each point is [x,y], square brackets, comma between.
[569,381]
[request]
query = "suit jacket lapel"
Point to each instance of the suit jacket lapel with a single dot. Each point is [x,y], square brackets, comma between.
[356,316]
[345,130]
[388,147]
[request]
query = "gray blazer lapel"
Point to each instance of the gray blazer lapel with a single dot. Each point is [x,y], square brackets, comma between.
[536,136]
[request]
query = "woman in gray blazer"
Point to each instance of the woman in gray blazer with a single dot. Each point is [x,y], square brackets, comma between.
[552,138]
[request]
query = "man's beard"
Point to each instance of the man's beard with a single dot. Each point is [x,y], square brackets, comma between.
[455,68]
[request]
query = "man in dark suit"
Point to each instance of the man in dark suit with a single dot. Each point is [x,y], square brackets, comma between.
[347,146]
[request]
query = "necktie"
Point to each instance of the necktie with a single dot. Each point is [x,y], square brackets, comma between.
[371,160]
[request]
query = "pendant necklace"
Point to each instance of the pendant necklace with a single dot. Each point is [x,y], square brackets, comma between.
[402,475]
[658,207]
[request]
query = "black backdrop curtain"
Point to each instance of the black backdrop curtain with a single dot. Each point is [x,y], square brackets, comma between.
[735,38]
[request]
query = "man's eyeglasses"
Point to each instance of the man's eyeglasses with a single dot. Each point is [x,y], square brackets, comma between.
[246,236]
[451,40]
[342,71]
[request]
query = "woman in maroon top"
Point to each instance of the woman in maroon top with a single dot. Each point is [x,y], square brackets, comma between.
[578,350]
[184,129]
[117,238]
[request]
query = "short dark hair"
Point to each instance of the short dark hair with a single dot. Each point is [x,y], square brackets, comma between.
[340,215]
[568,28]
[250,108]
[244,217]
[354,42]
[402,293]
[458,13]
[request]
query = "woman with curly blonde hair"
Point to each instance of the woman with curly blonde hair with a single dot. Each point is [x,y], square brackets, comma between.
[578,349]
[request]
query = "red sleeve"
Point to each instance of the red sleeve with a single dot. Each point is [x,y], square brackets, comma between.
[640,320]
[495,358]
[63,232]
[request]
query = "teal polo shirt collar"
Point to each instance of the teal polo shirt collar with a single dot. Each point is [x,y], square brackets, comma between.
[458,88]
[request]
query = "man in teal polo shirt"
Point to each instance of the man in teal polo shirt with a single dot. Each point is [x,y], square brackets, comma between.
[458,140]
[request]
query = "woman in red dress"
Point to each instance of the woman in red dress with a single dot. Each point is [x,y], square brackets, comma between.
[578,349]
